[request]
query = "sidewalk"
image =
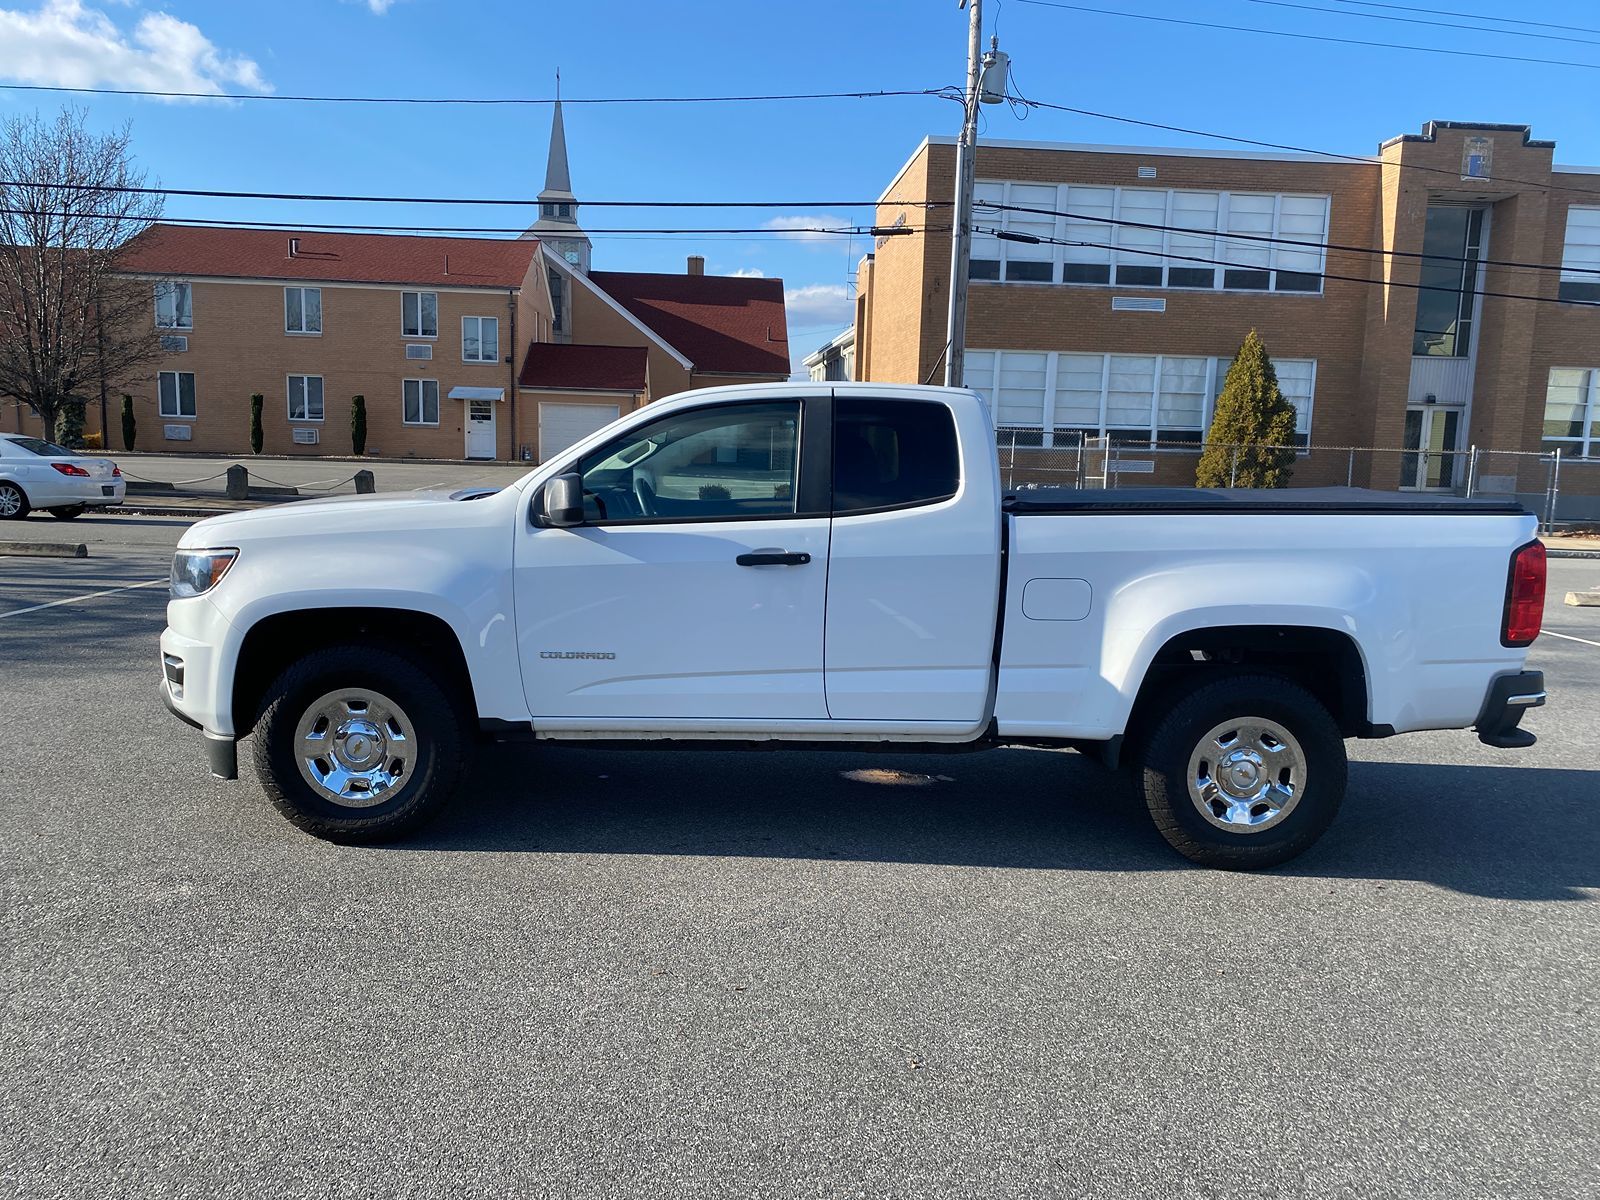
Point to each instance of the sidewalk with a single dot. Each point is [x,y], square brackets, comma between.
[1559,546]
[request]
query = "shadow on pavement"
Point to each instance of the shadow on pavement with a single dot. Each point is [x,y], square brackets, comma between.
[1466,828]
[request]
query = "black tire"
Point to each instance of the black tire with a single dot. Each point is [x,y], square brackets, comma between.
[1165,762]
[66,512]
[11,494]
[430,778]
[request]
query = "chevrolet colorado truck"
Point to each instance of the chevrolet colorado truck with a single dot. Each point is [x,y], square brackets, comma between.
[837,566]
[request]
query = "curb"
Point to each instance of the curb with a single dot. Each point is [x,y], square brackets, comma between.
[45,549]
[1572,553]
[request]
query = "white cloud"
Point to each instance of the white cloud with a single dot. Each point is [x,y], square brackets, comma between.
[379,7]
[805,227]
[819,304]
[64,43]
[749,273]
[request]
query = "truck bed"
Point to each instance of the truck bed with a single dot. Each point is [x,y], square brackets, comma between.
[1332,500]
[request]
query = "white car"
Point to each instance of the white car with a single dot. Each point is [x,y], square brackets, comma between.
[837,565]
[35,473]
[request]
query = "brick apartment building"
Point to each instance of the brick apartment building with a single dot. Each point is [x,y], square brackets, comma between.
[490,348]
[1151,265]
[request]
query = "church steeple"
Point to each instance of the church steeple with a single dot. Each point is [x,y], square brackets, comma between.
[557,226]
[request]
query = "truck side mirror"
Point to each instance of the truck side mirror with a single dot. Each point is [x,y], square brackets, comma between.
[563,501]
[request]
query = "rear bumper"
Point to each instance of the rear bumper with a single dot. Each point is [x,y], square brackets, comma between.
[68,492]
[1509,697]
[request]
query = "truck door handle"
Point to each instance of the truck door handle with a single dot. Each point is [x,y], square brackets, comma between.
[774,558]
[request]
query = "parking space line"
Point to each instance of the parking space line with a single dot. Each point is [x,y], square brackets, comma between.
[1570,638]
[17,612]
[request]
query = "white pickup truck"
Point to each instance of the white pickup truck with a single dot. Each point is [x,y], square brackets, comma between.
[836,565]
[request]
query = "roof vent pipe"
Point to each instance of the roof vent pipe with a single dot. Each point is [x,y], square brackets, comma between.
[294,247]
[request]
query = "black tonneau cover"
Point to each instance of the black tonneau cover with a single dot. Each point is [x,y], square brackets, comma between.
[1350,501]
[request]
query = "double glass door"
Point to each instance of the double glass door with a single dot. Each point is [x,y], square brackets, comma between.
[1432,458]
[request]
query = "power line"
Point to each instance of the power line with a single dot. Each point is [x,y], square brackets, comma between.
[1313,37]
[1445,12]
[470,100]
[290,227]
[1363,159]
[518,202]
[1416,287]
[1548,37]
[1089,218]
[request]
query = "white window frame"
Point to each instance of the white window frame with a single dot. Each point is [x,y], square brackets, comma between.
[177,395]
[1004,219]
[1581,260]
[305,396]
[491,359]
[302,331]
[166,285]
[1588,444]
[1216,373]
[419,335]
[422,403]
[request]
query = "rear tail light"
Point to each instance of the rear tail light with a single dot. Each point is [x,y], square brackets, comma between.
[1524,612]
[69,469]
[116,472]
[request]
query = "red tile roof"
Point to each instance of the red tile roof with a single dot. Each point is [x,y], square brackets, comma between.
[344,257]
[577,367]
[721,323]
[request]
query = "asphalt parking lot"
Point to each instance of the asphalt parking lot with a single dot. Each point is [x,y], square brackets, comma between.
[773,974]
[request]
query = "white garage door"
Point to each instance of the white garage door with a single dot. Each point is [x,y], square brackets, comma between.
[560,425]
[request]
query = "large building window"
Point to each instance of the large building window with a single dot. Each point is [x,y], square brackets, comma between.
[302,310]
[305,397]
[1150,237]
[1580,256]
[1060,399]
[1448,298]
[420,401]
[1572,411]
[480,339]
[176,394]
[419,314]
[174,305]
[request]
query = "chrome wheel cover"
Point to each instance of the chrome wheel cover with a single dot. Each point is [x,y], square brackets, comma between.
[1246,775]
[355,747]
[10,501]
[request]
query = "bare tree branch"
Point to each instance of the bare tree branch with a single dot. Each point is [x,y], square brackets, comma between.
[68,320]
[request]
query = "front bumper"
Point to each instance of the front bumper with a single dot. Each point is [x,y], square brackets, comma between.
[1509,697]
[191,684]
[222,752]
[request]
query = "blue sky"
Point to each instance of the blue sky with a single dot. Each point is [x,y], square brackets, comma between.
[1328,96]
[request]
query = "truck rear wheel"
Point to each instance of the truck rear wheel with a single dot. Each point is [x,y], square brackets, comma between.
[1245,771]
[357,745]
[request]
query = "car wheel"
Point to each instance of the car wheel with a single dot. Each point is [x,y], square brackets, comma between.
[1244,771]
[355,744]
[13,503]
[66,512]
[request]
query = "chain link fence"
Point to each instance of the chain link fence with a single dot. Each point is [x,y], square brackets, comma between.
[1558,487]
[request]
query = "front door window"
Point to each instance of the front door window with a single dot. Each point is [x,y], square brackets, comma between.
[711,464]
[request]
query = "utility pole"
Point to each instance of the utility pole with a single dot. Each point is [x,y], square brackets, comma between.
[961,236]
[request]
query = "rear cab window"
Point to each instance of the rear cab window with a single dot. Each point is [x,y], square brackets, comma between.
[890,453]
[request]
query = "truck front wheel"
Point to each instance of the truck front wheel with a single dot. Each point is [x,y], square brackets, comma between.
[355,744]
[1245,771]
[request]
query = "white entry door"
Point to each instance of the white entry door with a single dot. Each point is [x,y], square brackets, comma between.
[480,429]
[560,425]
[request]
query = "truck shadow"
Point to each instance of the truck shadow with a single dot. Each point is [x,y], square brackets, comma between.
[1517,833]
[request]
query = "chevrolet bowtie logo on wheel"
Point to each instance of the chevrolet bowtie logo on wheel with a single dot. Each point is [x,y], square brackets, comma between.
[607,654]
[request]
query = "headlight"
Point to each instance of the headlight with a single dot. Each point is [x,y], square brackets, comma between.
[195,572]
